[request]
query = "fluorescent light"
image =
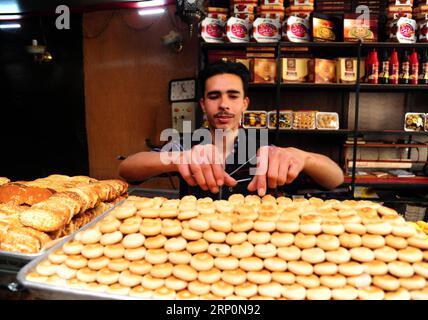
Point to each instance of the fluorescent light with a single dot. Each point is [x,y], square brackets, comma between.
[10,26]
[153,3]
[151,11]
[9,6]
[10,17]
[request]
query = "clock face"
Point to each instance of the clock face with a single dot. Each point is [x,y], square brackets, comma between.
[181,90]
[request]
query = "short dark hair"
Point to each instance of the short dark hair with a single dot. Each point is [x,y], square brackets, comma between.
[222,67]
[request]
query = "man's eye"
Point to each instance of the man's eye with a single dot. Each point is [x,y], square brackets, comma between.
[233,97]
[212,97]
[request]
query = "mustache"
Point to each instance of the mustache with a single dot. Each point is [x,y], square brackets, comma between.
[224,114]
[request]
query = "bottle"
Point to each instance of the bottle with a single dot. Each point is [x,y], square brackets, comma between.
[373,68]
[384,68]
[393,68]
[423,75]
[405,69]
[414,67]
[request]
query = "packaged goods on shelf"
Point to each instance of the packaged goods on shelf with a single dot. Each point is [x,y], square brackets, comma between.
[374,251]
[354,29]
[423,30]
[303,12]
[304,120]
[325,27]
[405,3]
[327,120]
[347,70]
[245,16]
[255,119]
[295,29]
[264,70]
[244,8]
[237,30]
[217,13]
[325,71]
[272,2]
[302,3]
[212,30]
[266,30]
[295,70]
[271,12]
[285,119]
[414,121]
[403,30]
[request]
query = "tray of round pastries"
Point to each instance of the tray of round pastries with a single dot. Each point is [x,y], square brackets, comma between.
[36,214]
[241,248]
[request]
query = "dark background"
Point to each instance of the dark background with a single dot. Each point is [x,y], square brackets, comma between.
[42,112]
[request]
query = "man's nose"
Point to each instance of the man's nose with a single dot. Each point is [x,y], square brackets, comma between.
[224,103]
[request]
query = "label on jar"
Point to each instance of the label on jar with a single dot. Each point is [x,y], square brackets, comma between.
[384,71]
[405,71]
[238,30]
[266,30]
[296,29]
[393,74]
[414,73]
[423,77]
[372,73]
[403,30]
[423,31]
[212,30]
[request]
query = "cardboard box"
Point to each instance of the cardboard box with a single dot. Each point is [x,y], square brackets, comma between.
[295,70]
[264,70]
[325,71]
[346,70]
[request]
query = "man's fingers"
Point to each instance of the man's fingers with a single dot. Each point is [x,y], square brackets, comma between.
[209,177]
[198,176]
[293,172]
[273,169]
[218,172]
[252,186]
[187,174]
[261,185]
[283,171]
[228,180]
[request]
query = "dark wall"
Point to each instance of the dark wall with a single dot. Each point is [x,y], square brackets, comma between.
[42,108]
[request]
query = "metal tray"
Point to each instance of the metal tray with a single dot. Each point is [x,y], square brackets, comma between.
[45,291]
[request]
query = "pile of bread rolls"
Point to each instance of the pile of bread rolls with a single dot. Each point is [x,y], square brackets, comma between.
[34,213]
[244,248]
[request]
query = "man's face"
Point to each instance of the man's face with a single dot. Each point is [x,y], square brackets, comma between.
[224,101]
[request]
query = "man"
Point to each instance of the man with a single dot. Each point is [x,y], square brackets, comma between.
[210,167]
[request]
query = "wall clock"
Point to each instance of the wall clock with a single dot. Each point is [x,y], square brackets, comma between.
[182,90]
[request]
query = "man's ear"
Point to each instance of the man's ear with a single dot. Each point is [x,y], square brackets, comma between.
[202,103]
[246,103]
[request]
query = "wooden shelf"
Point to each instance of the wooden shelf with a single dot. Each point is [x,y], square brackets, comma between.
[388,145]
[391,132]
[364,87]
[387,181]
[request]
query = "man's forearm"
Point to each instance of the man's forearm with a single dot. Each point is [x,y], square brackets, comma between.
[143,165]
[323,170]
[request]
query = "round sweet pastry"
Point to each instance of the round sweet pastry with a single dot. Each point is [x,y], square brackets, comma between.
[333,281]
[92,251]
[106,276]
[152,283]
[198,288]
[251,264]
[294,292]
[265,250]
[130,225]
[129,279]
[362,254]
[162,271]
[222,289]
[361,281]
[349,240]
[171,228]
[311,281]
[111,238]
[371,293]
[373,241]
[410,255]
[283,277]
[290,253]
[135,254]
[325,268]
[156,256]
[242,225]
[264,226]
[184,272]
[86,275]
[150,227]
[118,265]
[313,255]
[340,255]
[124,211]
[279,239]
[319,293]
[202,261]
[163,293]
[387,282]
[197,246]
[109,225]
[333,228]
[355,228]
[114,251]
[140,267]
[421,268]
[72,247]
[236,237]
[175,244]
[46,268]
[275,264]
[133,240]
[234,277]
[395,242]
[214,236]
[413,283]
[273,290]
[351,268]
[141,292]
[259,277]
[221,225]
[376,267]
[386,254]
[328,242]
[345,293]
[226,263]
[243,250]
[287,226]
[420,242]
[90,236]
[255,237]
[219,249]
[190,213]
[98,263]
[180,257]
[58,256]
[300,268]
[303,241]
[155,242]
[209,276]
[76,262]
[404,230]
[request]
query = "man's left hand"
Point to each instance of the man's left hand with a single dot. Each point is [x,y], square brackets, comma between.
[276,167]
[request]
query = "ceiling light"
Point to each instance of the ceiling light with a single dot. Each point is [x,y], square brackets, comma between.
[10,26]
[151,11]
[10,17]
[153,3]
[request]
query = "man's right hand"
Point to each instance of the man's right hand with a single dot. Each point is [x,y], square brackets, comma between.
[203,165]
